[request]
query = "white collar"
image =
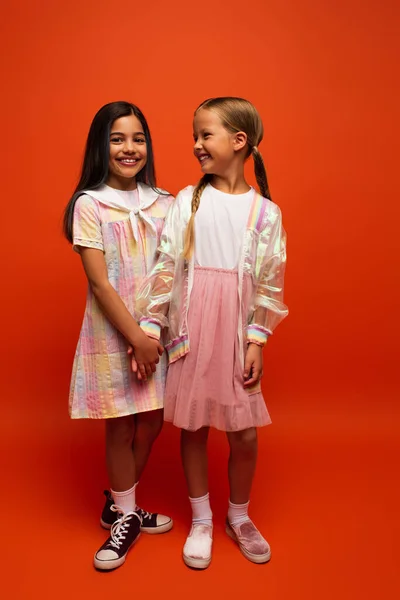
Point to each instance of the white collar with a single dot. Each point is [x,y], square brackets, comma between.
[110,197]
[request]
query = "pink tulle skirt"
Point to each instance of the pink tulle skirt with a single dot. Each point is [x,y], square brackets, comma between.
[205,387]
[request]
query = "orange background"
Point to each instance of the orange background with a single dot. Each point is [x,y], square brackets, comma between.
[324,76]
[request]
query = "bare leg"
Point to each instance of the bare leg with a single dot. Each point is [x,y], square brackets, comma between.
[242,463]
[194,460]
[147,428]
[119,457]
[121,473]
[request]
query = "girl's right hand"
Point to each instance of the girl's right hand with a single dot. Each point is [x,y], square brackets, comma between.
[145,355]
[146,351]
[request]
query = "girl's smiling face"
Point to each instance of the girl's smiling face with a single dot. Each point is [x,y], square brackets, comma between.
[128,152]
[213,144]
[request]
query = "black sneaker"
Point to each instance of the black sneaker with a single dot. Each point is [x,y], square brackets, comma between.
[154,522]
[124,533]
[151,522]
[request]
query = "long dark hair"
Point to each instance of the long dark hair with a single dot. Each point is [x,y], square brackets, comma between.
[95,163]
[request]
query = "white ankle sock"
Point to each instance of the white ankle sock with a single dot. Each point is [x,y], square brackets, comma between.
[238,513]
[125,500]
[136,506]
[201,510]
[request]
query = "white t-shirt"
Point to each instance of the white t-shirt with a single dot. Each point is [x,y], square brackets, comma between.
[220,225]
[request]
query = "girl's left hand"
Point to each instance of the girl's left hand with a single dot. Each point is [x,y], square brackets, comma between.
[253,365]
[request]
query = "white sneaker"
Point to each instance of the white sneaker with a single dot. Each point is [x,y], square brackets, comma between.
[198,546]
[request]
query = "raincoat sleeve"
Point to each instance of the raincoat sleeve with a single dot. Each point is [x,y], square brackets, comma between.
[269,308]
[154,295]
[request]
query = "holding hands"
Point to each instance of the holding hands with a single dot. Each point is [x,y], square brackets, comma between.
[145,355]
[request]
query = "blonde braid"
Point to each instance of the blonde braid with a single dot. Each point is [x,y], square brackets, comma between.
[189,234]
[260,173]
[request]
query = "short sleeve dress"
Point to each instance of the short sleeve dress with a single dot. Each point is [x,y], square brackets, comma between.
[126,227]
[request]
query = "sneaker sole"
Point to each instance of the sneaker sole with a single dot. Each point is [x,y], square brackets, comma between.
[258,559]
[104,524]
[160,529]
[110,565]
[151,530]
[196,563]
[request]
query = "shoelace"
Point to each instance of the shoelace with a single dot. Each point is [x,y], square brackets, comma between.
[120,527]
[144,514]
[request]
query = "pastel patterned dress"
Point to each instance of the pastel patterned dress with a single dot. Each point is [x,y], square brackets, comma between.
[126,227]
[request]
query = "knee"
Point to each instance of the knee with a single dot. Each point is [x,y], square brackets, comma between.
[243,441]
[198,437]
[120,431]
[149,425]
[154,428]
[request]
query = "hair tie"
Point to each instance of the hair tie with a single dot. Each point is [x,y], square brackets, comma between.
[255,149]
